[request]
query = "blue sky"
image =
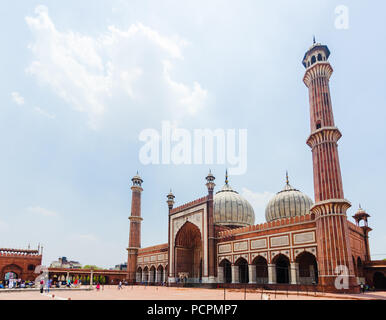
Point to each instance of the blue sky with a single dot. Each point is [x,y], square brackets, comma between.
[81,79]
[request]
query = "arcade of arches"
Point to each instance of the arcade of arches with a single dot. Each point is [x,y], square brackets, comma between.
[152,275]
[302,271]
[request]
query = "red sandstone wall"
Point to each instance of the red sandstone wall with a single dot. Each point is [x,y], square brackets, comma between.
[161,248]
[270,228]
[357,241]
[19,265]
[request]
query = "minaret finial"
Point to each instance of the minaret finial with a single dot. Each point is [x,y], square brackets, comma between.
[286,177]
[226,176]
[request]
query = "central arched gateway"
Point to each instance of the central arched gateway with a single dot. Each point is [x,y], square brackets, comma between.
[188,253]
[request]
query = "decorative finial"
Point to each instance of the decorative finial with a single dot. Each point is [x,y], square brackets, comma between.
[314,39]
[226,176]
[286,177]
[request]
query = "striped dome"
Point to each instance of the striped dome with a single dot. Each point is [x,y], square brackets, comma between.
[231,209]
[287,203]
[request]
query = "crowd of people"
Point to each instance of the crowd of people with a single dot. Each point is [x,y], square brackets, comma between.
[15,283]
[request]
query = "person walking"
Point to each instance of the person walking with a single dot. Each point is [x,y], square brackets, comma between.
[120,285]
[48,283]
[41,286]
[98,286]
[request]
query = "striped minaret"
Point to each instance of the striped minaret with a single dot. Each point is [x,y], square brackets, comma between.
[334,251]
[135,228]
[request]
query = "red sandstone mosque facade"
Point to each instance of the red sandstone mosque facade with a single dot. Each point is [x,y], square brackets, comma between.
[214,240]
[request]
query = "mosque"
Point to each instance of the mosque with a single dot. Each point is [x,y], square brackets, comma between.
[303,244]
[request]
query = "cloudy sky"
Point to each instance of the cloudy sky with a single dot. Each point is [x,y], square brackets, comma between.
[80,81]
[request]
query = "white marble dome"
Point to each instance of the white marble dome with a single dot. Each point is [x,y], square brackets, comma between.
[231,209]
[287,203]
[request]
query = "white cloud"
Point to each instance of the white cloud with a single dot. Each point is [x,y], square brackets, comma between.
[17,98]
[191,99]
[42,211]
[88,72]
[258,200]
[44,113]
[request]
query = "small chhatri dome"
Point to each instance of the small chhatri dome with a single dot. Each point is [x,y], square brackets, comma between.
[170,194]
[360,210]
[360,215]
[231,209]
[137,180]
[287,203]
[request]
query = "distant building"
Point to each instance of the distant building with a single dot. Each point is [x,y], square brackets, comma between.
[64,263]
[122,266]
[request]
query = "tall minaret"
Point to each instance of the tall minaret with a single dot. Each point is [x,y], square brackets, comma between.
[212,254]
[135,228]
[170,202]
[330,207]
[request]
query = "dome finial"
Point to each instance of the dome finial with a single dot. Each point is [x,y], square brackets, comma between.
[226,176]
[286,177]
[314,39]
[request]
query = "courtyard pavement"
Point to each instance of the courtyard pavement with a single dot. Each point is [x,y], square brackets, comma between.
[172,293]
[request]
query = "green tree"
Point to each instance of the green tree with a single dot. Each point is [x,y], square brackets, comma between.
[90,266]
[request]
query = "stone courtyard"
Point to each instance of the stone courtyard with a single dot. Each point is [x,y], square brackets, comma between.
[173,293]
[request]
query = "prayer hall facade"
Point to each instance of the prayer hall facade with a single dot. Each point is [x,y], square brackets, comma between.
[303,243]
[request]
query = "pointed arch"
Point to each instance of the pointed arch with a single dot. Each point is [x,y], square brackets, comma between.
[160,273]
[282,266]
[261,269]
[243,270]
[308,268]
[227,265]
